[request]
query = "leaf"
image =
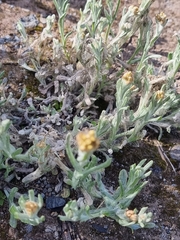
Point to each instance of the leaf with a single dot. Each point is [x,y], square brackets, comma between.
[123,176]
[150,225]
[16,152]
[24,65]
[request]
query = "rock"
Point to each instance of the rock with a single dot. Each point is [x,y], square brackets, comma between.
[175,152]
[30,21]
[100,228]
[55,202]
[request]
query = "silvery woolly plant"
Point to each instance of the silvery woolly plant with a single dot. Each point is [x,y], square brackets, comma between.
[27,209]
[39,154]
[154,108]
[98,46]
[7,150]
[125,124]
[62,8]
[85,165]
[31,59]
[87,175]
[137,104]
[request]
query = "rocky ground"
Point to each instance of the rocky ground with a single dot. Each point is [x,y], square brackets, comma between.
[162,193]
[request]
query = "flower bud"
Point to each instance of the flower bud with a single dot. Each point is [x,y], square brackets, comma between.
[134,9]
[131,215]
[41,144]
[127,77]
[160,94]
[134,217]
[31,207]
[161,17]
[87,141]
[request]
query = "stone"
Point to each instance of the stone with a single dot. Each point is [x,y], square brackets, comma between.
[175,152]
[55,202]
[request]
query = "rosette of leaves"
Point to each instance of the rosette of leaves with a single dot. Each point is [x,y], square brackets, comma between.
[114,204]
[27,209]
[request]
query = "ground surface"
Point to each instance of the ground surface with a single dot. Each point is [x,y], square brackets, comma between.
[162,193]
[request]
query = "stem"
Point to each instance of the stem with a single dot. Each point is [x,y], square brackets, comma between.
[113,18]
[96,168]
[70,154]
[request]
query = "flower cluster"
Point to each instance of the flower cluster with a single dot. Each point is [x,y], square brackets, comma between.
[159,94]
[41,144]
[87,141]
[131,215]
[161,17]
[134,9]
[127,77]
[31,207]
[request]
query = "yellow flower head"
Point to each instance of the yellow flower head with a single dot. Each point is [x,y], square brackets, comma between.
[87,141]
[161,17]
[41,144]
[127,77]
[160,94]
[31,207]
[134,9]
[131,215]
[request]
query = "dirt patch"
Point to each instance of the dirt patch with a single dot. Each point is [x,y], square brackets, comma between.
[162,193]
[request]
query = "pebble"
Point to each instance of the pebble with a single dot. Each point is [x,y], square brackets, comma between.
[56,235]
[28,228]
[8,39]
[54,202]
[49,190]
[175,152]
[30,21]
[54,214]
[99,228]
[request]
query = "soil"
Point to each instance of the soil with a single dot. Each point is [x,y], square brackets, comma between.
[162,193]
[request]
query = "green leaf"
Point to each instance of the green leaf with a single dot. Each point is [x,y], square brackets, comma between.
[123,176]
[16,152]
